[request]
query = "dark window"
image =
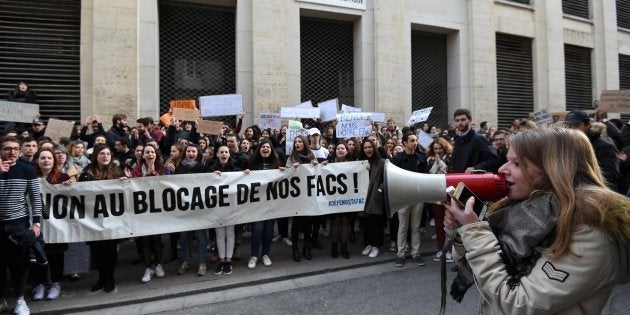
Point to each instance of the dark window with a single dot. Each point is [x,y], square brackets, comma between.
[578,78]
[197,52]
[520,1]
[40,43]
[515,82]
[624,72]
[327,67]
[623,13]
[577,8]
[428,76]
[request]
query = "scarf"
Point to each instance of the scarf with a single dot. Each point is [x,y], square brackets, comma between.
[523,229]
[189,163]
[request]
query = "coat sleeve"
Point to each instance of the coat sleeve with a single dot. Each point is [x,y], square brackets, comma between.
[489,158]
[552,285]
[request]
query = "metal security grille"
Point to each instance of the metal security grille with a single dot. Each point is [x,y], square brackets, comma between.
[40,44]
[197,52]
[428,76]
[624,72]
[515,81]
[577,77]
[327,60]
[577,8]
[623,13]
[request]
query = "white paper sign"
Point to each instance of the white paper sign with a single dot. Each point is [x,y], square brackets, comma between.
[543,117]
[378,117]
[419,116]
[307,104]
[299,112]
[18,112]
[291,134]
[221,105]
[424,139]
[269,120]
[113,209]
[328,110]
[346,108]
[354,125]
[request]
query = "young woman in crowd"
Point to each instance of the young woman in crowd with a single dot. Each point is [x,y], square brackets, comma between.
[264,158]
[151,244]
[389,148]
[176,156]
[578,231]
[46,168]
[340,222]
[438,158]
[77,151]
[225,236]
[246,147]
[105,252]
[373,214]
[301,154]
[191,164]
[64,163]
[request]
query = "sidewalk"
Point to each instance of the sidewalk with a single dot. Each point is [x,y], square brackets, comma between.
[76,296]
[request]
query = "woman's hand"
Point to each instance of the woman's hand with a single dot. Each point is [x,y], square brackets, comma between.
[68,182]
[247,171]
[219,172]
[282,168]
[296,165]
[325,163]
[314,162]
[454,213]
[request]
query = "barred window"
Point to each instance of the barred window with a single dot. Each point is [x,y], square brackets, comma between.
[429,86]
[578,77]
[623,13]
[579,8]
[515,81]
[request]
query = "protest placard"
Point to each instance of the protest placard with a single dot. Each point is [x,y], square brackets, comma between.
[419,116]
[290,136]
[424,139]
[18,112]
[354,125]
[221,105]
[347,108]
[543,117]
[114,209]
[307,104]
[299,112]
[210,127]
[184,114]
[187,104]
[377,117]
[615,101]
[269,120]
[57,129]
[328,110]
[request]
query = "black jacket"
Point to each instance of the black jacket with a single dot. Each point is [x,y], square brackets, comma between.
[473,150]
[606,154]
[416,162]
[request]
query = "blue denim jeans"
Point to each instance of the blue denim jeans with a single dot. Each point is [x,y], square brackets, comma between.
[202,244]
[261,231]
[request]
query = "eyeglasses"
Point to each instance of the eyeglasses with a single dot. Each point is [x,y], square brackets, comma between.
[9,149]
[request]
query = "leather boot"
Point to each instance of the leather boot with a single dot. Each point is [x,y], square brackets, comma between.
[306,251]
[296,253]
[344,251]
[334,251]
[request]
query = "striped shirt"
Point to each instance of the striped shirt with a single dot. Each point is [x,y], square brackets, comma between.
[16,185]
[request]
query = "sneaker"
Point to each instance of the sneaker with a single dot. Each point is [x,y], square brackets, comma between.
[148,273]
[392,246]
[373,252]
[366,250]
[438,256]
[21,308]
[252,262]
[287,241]
[201,271]
[266,261]
[400,261]
[3,305]
[276,238]
[38,292]
[449,257]
[227,268]
[159,271]
[418,260]
[54,291]
[183,268]
[219,269]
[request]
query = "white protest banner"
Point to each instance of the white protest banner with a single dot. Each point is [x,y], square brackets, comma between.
[113,209]
[615,101]
[57,129]
[307,104]
[210,127]
[18,112]
[543,117]
[424,139]
[377,117]
[299,112]
[269,120]
[185,114]
[354,125]
[221,105]
[346,108]
[419,116]
[290,136]
[328,110]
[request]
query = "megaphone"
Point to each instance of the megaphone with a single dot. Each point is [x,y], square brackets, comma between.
[402,188]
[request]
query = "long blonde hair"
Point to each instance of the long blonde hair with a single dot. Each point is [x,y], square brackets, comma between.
[570,170]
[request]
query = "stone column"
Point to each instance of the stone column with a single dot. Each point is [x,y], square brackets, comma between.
[606,52]
[549,80]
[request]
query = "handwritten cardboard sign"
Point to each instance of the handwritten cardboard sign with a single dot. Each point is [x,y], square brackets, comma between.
[269,120]
[221,105]
[18,112]
[210,127]
[188,104]
[354,125]
[57,129]
[328,110]
[419,116]
[185,114]
[299,112]
[348,108]
[543,117]
[615,101]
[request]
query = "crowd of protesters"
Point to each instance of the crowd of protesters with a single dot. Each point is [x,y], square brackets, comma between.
[155,149]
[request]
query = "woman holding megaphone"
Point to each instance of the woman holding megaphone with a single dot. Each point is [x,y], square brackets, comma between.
[558,243]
